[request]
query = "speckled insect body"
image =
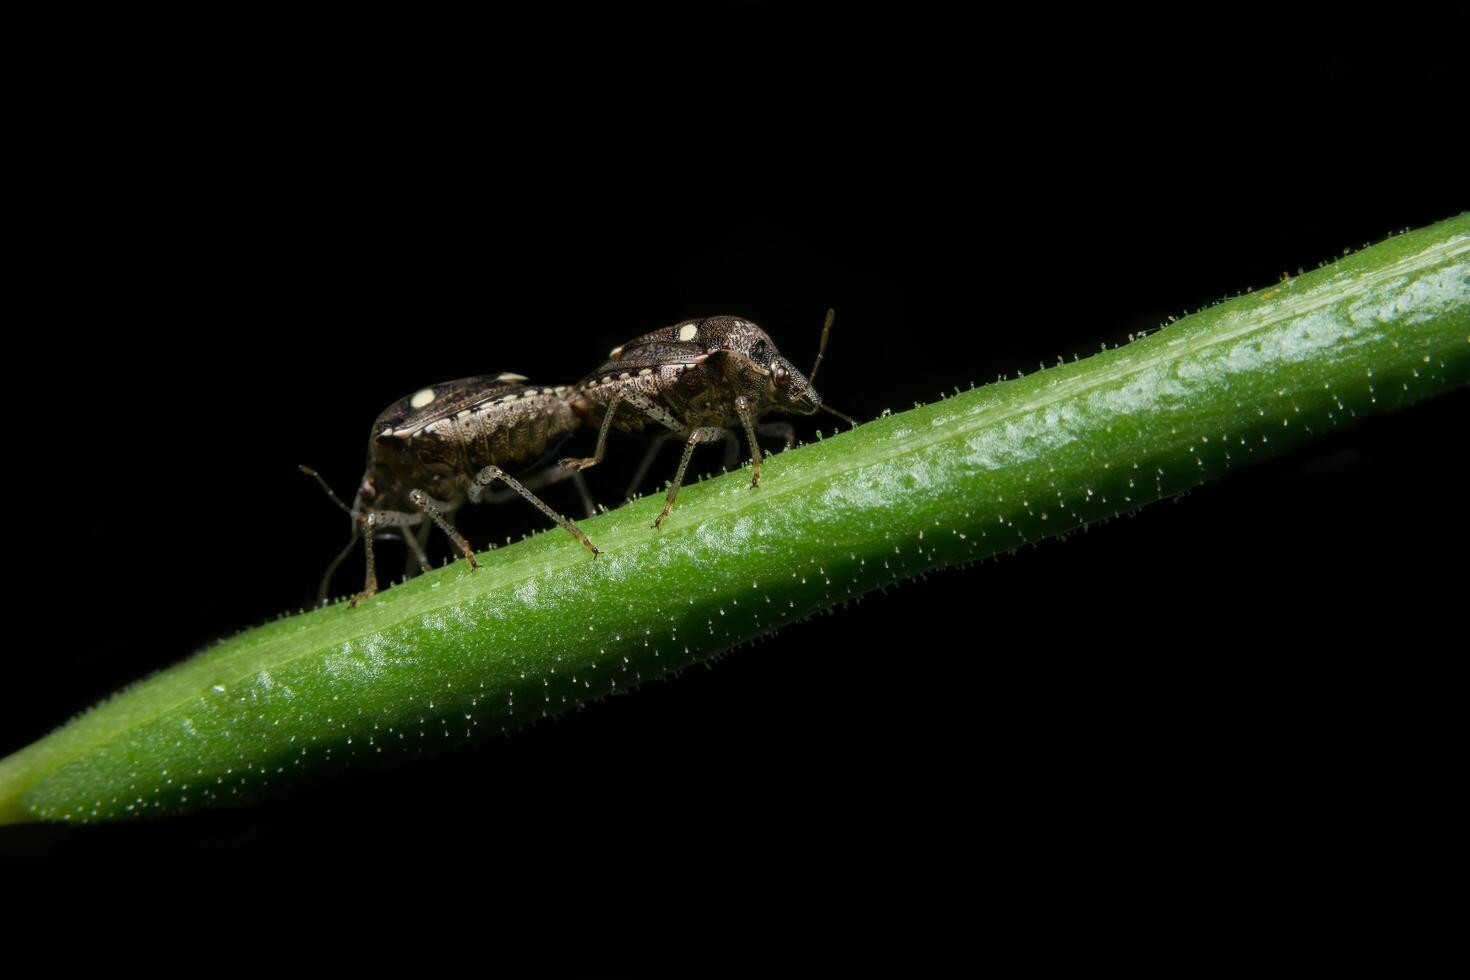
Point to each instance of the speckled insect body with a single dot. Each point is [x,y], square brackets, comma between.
[431,451]
[696,380]
[437,439]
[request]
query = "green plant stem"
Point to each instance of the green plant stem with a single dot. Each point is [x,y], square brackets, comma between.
[452,655]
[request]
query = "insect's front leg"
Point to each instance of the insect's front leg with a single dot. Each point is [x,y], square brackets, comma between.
[747,419]
[372,522]
[706,434]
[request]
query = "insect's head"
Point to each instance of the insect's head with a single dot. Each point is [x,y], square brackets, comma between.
[750,358]
[792,390]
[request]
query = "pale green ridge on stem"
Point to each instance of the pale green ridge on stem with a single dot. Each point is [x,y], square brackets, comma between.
[452,656]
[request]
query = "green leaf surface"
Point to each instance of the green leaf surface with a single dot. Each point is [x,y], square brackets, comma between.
[453,655]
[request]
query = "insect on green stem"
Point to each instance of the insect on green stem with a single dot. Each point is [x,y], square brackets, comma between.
[451,656]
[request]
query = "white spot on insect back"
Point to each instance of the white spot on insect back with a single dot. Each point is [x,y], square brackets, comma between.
[688,331]
[421,398]
[507,376]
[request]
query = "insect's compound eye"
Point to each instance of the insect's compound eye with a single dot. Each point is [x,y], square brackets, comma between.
[780,376]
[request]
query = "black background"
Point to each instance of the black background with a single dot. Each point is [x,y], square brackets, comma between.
[248,253]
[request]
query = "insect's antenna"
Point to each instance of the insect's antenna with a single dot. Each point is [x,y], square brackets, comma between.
[822,348]
[845,417]
[321,592]
[335,499]
[821,353]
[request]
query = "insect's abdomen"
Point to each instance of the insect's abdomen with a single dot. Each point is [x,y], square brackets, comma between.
[438,443]
[515,429]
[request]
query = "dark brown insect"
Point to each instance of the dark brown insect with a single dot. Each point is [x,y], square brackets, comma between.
[446,443]
[697,380]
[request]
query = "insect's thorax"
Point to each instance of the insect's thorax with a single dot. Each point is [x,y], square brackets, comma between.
[697,395]
[439,452]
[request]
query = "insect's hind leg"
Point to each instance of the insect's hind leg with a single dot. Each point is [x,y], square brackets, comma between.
[492,473]
[422,502]
[545,478]
[639,401]
[575,463]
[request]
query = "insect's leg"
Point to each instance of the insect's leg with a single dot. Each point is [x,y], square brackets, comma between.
[370,585]
[658,443]
[747,419]
[588,506]
[422,502]
[492,473]
[371,522]
[574,463]
[731,442]
[783,430]
[545,478]
[707,434]
[416,542]
[536,481]
[644,404]
[321,592]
